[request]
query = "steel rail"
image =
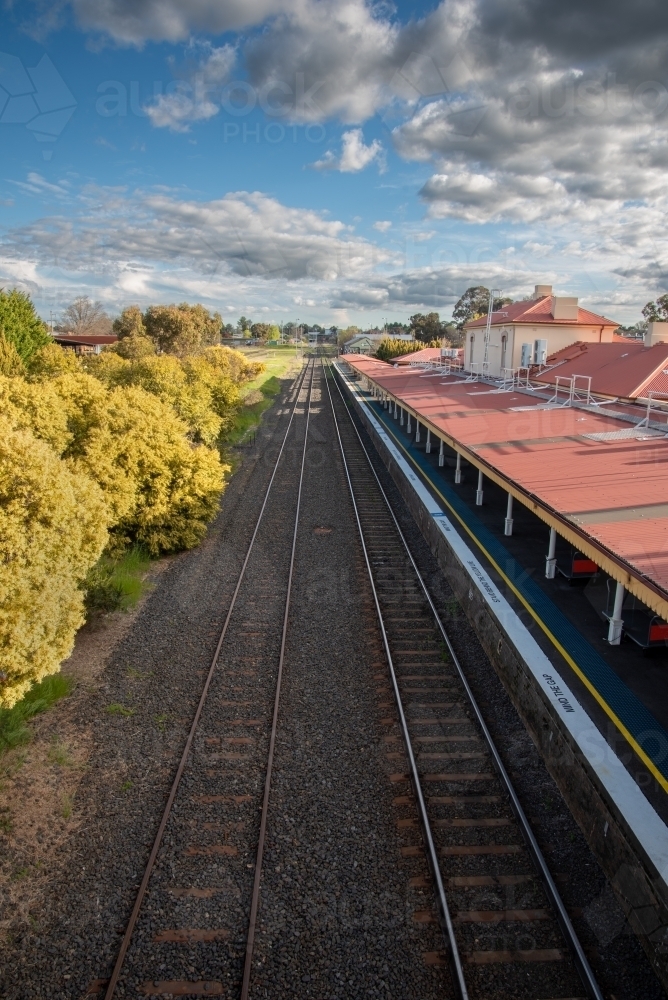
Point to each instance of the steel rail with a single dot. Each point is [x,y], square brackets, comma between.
[255,901]
[444,911]
[127,937]
[580,959]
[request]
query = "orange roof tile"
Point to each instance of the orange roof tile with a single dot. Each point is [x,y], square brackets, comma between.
[538,311]
[616,369]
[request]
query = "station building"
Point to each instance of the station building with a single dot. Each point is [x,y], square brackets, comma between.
[526,333]
[560,469]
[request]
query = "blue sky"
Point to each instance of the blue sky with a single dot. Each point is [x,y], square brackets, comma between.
[332,162]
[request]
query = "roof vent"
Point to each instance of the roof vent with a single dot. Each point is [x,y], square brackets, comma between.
[541,291]
[564,308]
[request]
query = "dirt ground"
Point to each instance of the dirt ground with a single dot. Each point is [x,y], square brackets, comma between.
[38,781]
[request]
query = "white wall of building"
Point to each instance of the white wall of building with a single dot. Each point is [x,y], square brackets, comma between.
[505,344]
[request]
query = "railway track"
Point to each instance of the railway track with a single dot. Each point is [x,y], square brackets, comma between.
[505,928]
[216,811]
[192,927]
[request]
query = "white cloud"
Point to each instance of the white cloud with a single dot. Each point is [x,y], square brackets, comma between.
[37,185]
[355,156]
[197,97]
[382,227]
[134,22]
[242,235]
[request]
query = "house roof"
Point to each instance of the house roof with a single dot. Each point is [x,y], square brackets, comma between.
[424,354]
[539,311]
[84,339]
[587,472]
[624,370]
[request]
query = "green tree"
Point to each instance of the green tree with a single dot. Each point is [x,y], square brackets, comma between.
[182,329]
[473,304]
[427,327]
[133,347]
[20,323]
[261,330]
[343,336]
[657,312]
[130,323]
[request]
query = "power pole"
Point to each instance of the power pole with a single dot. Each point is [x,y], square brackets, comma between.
[488,328]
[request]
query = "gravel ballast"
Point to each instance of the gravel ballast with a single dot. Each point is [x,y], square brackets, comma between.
[339,899]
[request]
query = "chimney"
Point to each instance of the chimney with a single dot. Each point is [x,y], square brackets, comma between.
[657,333]
[564,307]
[540,291]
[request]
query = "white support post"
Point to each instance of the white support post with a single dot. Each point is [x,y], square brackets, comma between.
[408,422]
[508,530]
[616,622]
[417,431]
[551,560]
[458,469]
[401,416]
[479,491]
[395,409]
[428,444]
[441,454]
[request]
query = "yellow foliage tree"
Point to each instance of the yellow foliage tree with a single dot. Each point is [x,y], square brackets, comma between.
[53,528]
[11,362]
[52,360]
[161,491]
[182,329]
[36,408]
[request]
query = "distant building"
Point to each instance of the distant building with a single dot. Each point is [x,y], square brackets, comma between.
[83,343]
[525,333]
[363,343]
[367,343]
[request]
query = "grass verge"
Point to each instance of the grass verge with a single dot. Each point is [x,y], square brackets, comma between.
[116,583]
[259,394]
[13,721]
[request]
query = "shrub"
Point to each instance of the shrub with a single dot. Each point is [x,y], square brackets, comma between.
[161,491]
[13,728]
[52,360]
[134,347]
[116,584]
[10,359]
[389,348]
[53,528]
[36,408]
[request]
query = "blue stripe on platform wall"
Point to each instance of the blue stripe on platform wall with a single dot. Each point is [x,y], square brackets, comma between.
[640,722]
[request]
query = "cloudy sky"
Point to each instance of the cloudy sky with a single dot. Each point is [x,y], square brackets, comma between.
[333,160]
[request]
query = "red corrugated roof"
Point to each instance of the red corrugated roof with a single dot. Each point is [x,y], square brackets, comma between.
[621,370]
[600,486]
[424,354]
[85,339]
[540,311]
